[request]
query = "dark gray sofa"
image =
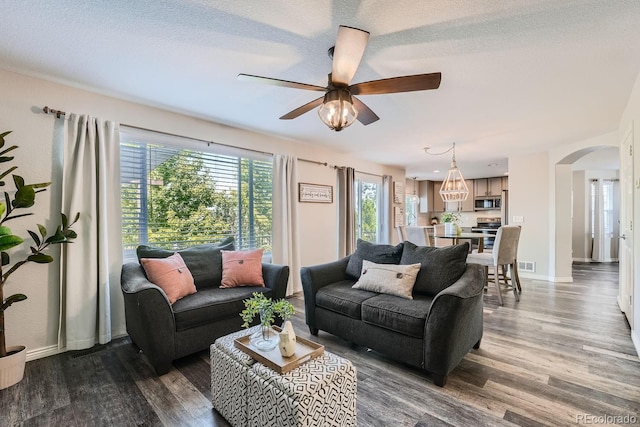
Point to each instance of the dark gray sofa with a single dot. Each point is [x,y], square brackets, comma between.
[433,331]
[166,332]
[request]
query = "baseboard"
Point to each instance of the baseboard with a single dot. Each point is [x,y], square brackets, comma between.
[582,260]
[635,337]
[52,350]
[568,279]
[41,352]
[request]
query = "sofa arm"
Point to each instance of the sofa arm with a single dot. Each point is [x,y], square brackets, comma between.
[315,277]
[276,278]
[454,322]
[149,317]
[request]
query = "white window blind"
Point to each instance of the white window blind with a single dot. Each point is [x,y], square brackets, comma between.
[178,193]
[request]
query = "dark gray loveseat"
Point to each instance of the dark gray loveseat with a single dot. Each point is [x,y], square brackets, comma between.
[165,332]
[433,331]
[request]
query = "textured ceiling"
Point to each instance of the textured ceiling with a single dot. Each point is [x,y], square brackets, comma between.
[517,75]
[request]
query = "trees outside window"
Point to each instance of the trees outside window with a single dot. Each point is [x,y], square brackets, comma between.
[174,197]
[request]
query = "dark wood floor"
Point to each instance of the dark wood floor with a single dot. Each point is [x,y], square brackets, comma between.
[562,352]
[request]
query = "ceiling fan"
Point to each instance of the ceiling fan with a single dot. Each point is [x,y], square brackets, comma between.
[340,107]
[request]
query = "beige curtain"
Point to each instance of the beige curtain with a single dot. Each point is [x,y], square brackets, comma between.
[346,211]
[90,296]
[286,247]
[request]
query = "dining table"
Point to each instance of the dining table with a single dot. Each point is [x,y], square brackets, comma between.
[455,237]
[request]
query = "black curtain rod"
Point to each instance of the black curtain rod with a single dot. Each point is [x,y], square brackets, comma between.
[59,113]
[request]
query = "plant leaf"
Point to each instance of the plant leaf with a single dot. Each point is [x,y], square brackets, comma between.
[65,221]
[34,236]
[2,135]
[4,159]
[25,197]
[7,172]
[40,258]
[5,258]
[9,241]
[57,238]
[43,230]
[18,180]
[4,230]
[70,234]
[40,185]
[3,207]
[13,298]
[13,147]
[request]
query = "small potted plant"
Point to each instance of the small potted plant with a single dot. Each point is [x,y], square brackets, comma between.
[12,359]
[450,220]
[267,309]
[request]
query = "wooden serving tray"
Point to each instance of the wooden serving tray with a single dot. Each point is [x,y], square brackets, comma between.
[305,351]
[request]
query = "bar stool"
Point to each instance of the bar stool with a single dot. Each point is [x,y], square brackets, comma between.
[504,255]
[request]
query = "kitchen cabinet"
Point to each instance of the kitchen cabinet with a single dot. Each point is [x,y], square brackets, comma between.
[488,187]
[425,192]
[468,205]
[438,203]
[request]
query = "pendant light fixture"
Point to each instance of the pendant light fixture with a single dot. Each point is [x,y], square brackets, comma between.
[454,188]
[414,197]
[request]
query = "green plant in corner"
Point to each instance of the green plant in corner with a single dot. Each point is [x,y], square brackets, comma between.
[11,208]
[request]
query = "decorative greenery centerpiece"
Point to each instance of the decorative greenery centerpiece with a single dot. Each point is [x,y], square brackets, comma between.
[23,198]
[266,308]
[451,218]
[12,208]
[259,304]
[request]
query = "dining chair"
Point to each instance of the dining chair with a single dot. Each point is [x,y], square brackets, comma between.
[438,230]
[402,235]
[418,236]
[503,256]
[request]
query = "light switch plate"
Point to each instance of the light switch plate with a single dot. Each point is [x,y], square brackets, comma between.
[518,219]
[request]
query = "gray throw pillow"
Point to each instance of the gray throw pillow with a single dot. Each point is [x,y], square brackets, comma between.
[203,261]
[439,267]
[374,252]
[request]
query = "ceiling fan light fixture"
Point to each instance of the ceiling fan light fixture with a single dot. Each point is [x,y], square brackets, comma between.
[337,110]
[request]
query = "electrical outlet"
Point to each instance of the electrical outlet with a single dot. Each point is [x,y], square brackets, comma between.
[518,219]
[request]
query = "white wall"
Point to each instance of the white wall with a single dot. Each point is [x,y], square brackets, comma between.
[34,323]
[631,118]
[529,181]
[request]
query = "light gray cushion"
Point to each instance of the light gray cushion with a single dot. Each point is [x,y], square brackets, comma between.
[389,279]
[380,254]
[440,267]
[204,261]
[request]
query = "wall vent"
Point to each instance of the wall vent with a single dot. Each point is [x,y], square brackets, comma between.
[527,266]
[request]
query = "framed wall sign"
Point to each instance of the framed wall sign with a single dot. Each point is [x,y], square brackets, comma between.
[315,193]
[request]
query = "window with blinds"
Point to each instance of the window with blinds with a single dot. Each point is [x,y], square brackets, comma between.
[175,194]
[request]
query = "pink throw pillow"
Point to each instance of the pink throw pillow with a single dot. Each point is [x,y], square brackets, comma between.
[171,275]
[242,268]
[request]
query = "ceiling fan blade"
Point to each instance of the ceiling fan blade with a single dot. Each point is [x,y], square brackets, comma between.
[365,115]
[347,54]
[303,109]
[397,84]
[278,82]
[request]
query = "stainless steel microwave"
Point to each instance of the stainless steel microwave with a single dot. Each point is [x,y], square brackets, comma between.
[487,203]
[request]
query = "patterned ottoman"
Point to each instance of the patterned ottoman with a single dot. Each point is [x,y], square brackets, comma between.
[229,368]
[321,392]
